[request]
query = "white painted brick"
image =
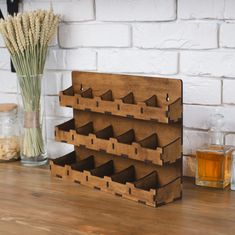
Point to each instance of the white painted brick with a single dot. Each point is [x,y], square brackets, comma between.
[216,64]
[4,59]
[52,82]
[94,35]
[189,166]
[50,125]
[56,149]
[8,98]
[73,10]
[229,9]
[175,35]
[66,80]
[201,90]
[229,91]
[227,35]
[196,116]
[2,44]
[230,139]
[8,81]
[3,7]
[79,59]
[135,10]
[54,41]
[53,108]
[206,9]
[194,140]
[200,9]
[137,61]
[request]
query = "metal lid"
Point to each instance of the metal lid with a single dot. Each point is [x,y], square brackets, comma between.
[7,107]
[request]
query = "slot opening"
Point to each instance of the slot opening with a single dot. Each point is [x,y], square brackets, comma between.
[105,169]
[69,91]
[85,129]
[129,98]
[85,164]
[67,159]
[87,93]
[107,96]
[67,126]
[127,137]
[150,142]
[152,101]
[147,182]
[105,133]
[126,175]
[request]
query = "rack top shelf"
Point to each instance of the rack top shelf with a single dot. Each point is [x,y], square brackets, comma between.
[167,90]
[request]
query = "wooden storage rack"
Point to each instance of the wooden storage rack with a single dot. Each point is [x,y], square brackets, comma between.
[127,133]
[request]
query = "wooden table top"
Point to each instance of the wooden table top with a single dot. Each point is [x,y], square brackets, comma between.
[33,203]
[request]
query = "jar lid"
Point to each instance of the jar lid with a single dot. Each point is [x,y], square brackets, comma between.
[8,107]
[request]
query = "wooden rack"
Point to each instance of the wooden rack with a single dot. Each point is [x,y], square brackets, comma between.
[127,133]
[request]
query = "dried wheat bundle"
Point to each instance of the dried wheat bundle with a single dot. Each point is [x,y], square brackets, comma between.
[27,36]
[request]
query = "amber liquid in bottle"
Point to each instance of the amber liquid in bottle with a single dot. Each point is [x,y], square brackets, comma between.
[214,166]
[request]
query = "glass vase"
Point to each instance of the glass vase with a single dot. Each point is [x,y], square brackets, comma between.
[31,102]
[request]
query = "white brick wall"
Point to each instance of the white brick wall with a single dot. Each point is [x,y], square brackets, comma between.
[175,35]
[200,9]
[189,39]
[135,10]
[197,116]
[78,59]
[1,42]
[201,91]
[72,10]
[227,35]
[8,81]
[4,59]
[137,61]
[206,63]
[94,35]
[228,91]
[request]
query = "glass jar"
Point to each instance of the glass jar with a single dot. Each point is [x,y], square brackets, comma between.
[9,133]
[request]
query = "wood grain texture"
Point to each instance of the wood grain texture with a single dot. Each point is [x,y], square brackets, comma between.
[34,203]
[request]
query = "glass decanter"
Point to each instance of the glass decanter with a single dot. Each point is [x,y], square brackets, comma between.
[213,162]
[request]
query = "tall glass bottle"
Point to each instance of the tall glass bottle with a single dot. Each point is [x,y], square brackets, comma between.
[213,168]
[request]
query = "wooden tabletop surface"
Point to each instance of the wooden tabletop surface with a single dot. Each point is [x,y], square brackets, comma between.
[33,203]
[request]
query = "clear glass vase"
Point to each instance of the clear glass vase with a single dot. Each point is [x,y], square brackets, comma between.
[31,102]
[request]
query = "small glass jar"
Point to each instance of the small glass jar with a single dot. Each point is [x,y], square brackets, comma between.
[9,133]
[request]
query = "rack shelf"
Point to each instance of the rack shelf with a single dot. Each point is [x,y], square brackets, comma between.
[124,181]
[124,106]
[124,145]
[127,133]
